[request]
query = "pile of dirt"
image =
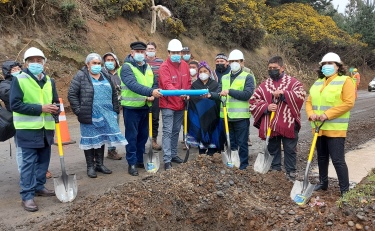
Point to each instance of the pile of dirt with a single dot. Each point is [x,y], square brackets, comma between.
[205,195]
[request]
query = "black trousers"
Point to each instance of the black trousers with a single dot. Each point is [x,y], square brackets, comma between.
[155,118]
[333,147]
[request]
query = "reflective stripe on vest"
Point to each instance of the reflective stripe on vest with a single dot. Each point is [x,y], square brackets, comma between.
[328,98]
[237,109]
[130,98]
[33,94]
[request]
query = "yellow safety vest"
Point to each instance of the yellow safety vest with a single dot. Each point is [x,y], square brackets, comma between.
[33,94]
[237,109]
[328,98]
[130,98]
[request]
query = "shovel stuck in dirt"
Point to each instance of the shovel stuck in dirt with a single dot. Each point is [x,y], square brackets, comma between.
[230,158]
[302,191]
[151,160]
[264,160]
[65,185]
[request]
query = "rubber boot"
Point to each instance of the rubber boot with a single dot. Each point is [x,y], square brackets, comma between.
[89,154]
[323,184]
[99,157]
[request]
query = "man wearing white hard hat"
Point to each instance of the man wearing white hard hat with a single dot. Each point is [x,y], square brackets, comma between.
[174,75]
[331,98]
[33,97]
[237,86]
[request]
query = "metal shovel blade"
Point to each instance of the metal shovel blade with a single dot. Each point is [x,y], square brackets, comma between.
[66,192]
[151,161]
[299,195]
[263,163]
[231,159]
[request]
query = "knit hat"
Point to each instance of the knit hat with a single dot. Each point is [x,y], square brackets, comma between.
[205,65]
[221,56]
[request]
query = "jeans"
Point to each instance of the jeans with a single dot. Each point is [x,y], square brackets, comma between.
[118,122]
[238,134]
[334,147]
[18,155]
[172,121]
[155,118]
[290,155]
[35,162]
[136,133]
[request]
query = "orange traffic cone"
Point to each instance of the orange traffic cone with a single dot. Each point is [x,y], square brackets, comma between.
[65,136]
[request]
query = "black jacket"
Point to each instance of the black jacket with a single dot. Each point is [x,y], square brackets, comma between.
[5,84]
[81,95]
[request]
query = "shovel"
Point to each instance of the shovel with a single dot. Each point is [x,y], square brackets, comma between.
[65,186]
[264,160]
[230,158]
[150,160]
[302,191]
[185,131]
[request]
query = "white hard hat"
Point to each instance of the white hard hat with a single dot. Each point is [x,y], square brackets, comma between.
[33,51]
[235,55]
[175,45]
[330,57]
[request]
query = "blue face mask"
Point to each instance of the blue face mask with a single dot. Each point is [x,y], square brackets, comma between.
[35,68]
[186,57]
[139,57]
[328,70]
[150,54]
[95,69]
[176,58]
[110,65]
[15,74]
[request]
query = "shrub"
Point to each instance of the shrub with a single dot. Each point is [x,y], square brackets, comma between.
[173,27]
[114,8]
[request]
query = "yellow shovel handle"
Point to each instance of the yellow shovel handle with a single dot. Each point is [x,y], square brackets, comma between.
[59,142]
[311,154]
[185,122]
[150,124]
[269,127]
[226,120]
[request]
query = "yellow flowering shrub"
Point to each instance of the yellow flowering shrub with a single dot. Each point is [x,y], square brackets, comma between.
[115,8]
[173,27]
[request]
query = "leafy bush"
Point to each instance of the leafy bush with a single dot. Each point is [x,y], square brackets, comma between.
[114,8]
[173,27]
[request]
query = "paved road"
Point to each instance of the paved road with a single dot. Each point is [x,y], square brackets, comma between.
[12,216]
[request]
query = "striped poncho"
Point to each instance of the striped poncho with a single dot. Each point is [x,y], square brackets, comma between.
[288,111]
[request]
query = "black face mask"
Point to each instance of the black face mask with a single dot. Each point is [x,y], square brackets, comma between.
[220,67]
[274,74]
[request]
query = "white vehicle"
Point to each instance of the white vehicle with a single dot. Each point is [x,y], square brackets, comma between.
[371,85]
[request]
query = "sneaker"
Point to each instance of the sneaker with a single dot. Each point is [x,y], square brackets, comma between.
[291,176]
[155,145]
[177,160]
[113,154]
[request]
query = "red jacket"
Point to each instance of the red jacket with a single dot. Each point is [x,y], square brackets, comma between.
[174,76]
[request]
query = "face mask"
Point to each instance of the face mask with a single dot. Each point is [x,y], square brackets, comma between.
[150,54]
[203,76]
[274,74]
[235,66]
[176,58]
[328,70]
[193,72]
[139,57]
[110,65]
[15,74]
[95,69]
[220,67]
[35,68]
[186,57]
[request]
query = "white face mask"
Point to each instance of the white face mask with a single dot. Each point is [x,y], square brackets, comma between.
[203,76]
[235,66]
[193,72]
[150,54]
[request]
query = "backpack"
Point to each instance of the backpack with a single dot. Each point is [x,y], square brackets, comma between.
[7,129]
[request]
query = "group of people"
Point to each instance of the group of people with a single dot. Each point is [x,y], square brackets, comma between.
[102,88]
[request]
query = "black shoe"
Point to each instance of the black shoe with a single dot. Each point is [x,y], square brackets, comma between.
[45,193]
[177,160]
[343,193]
[291,176]
[140,165]
[132,170]
[29,205]
[321,186]
[168,166]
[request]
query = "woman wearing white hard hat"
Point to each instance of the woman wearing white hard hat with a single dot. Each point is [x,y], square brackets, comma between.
[331,98]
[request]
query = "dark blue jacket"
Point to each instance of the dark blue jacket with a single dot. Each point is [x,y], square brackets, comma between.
[128,78]
[31,138]
[240,95]
[219,74]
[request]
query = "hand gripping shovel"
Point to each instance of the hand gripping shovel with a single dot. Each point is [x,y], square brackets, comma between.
[302,191]
[151,160]
[230,158]
[65,186]
[185,130]
[264,160]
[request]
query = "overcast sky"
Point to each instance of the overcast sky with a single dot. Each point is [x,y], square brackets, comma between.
[341,4]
